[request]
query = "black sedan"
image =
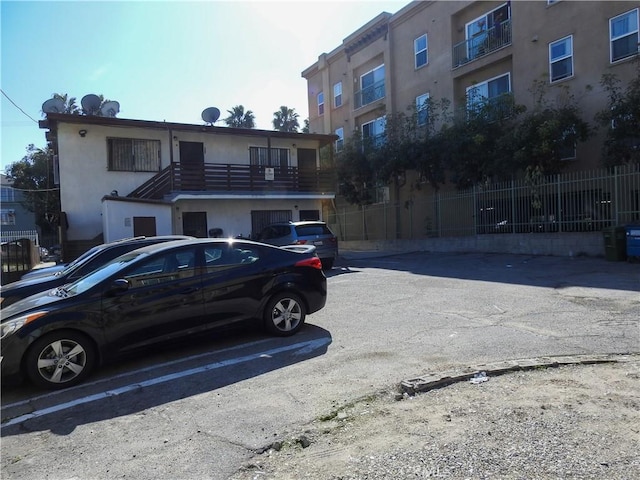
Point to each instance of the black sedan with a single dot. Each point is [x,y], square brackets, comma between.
[158,294]
[84,264]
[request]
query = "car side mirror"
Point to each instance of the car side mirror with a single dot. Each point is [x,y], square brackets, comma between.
[118,287]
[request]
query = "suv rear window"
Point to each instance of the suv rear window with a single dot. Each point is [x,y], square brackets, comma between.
[306,230]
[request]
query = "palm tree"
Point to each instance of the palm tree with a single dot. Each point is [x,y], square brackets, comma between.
[238,118]
[285,120]
[70,106]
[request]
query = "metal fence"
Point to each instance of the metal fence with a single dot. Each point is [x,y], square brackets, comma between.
[10,236]
[570,202]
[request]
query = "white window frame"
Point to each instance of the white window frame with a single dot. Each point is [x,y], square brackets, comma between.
[628,33]
[572,148]
[320,103]
[374,73]
[378,127]
[483,23]
[421,109]
[7,216]
[8,194]
[418,50]
[568,55]
[337,95]
[340,142]
[473,105]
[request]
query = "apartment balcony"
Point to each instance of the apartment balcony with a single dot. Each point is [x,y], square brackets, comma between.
[218,178]
[369,94]
[482,44]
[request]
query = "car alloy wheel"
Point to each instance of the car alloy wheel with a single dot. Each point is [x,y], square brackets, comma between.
[60,359]
[285,314]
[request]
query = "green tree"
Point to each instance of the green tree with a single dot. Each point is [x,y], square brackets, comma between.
[355,171]
[621,119]
[34,176]
[473,147]
[70,106]
[305,127]
[285,120]
[238,118]
[547,134]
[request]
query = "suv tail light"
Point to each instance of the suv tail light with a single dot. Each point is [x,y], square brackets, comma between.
[299,242]
[313,262]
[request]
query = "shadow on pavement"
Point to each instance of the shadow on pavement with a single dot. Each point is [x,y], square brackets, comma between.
[538,271]
[146,381]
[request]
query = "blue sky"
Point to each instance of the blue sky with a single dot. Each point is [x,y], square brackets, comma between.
[165,60]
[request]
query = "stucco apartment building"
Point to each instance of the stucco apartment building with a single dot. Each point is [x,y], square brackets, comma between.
[461,50]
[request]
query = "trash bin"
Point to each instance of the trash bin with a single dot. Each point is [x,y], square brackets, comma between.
[633,242]
[615,243]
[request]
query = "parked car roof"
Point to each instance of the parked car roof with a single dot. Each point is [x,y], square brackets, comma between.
[86,263]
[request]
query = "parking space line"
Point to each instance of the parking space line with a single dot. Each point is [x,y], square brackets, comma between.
[303,347]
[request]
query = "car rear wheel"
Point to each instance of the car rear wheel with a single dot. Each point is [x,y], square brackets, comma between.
[284,314]
[60,360]
[327,263]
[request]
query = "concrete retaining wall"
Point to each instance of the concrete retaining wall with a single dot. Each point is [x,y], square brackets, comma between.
[555,244]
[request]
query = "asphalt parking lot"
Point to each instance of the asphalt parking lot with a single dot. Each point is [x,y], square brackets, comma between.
[203,409]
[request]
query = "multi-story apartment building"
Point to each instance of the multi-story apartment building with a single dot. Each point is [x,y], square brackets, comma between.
[470,51]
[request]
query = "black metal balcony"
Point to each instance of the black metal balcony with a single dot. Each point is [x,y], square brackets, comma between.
[482,44]
[369,94]
[216,178]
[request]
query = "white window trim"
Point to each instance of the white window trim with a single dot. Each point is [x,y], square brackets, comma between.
[370,71]
[554,60]
[420,106]
[611,39]
[340,142]
[485,15]
[320,99]
[416,52]
[337,96]
[486,82]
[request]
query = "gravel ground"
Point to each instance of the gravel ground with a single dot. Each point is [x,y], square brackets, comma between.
[569,422]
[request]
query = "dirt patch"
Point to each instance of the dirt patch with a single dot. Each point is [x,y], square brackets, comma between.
[576,421]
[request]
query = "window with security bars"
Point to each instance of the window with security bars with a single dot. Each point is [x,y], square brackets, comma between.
[260,156]
[133,155]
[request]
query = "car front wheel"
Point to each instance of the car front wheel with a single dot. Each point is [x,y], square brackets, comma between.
[284,314]
[60,359]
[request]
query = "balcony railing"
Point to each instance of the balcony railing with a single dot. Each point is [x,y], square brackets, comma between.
[482,44]
[216,178]
[369,94]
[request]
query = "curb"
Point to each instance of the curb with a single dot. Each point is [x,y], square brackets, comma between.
[428,382]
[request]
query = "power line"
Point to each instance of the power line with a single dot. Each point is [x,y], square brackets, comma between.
[15,105]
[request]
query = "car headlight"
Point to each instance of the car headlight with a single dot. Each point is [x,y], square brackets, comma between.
[16,324]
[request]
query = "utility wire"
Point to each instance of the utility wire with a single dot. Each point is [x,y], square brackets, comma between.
[15,105]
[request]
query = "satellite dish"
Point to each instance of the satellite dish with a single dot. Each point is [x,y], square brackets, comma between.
[53,105]
[210,115]
[90,103]
[110,109]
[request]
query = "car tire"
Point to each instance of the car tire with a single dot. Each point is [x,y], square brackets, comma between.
[327,263]
[284,314]
[60,359]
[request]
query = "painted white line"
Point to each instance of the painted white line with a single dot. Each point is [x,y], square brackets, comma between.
[303,346]
[135,372]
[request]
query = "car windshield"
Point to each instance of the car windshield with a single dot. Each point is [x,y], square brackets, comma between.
[73,265]
[92,279]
